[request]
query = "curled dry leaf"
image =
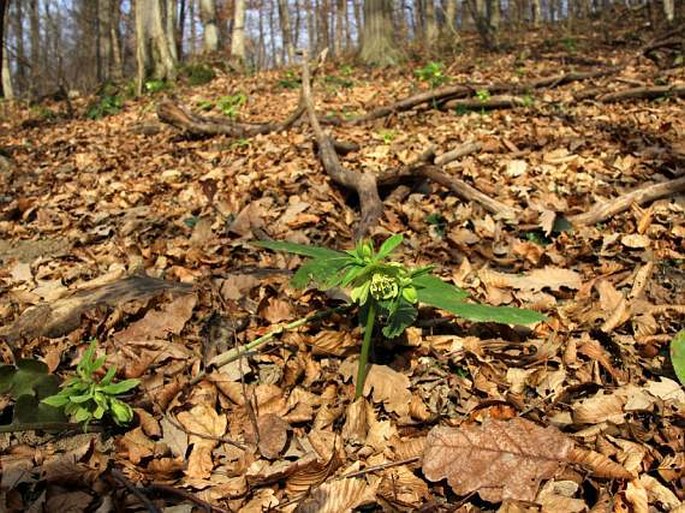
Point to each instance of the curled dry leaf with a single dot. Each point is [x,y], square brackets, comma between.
[600,465]
[499,459]
[337,497]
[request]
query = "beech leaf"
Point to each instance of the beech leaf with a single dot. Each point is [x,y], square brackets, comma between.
[499,459]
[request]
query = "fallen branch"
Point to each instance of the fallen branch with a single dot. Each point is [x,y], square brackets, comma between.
[442,96]
[363,183]
[181,117]
[646,194]
[427,166]
[466,192]
[644,93]
[494,102]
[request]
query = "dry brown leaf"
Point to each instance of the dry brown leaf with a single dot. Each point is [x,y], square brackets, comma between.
[389,387]
[557,497]
[337,497]
[499,459]
[657,492]
[553,278]
[600,465]
[401,486]
[158,324]
[636,495]
[277,311]
[273,435]
[208,426]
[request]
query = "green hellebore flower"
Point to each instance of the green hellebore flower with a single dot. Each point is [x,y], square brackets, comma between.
[409,293]
[383,287]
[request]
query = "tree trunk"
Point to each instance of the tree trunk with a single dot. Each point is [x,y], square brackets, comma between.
[284,17]
[238,37]
[153,54]
[340,17]
[35,48]
[431,25]
[211,32]
[169,15]
[378,47]
[5,83]
[117,63]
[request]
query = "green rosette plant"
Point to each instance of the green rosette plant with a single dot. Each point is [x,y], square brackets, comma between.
[84,397]
[388,293]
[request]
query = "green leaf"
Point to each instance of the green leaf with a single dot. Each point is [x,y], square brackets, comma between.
[404,315]
[388,246]
[300,249]
[58,400]
[324,272]
[27,410]
[121,412]
[487,313]
[29,377]
[82,415]
[435,292]
[677,350]
[120,387]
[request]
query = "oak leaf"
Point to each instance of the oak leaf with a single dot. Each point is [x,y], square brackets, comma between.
[499,459]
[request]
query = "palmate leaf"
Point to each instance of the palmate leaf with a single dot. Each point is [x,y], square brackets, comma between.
[300,249]
[324,272]
[388,246]
[404,315]
[677,350]
[435,292]
[324,269]
[501,314]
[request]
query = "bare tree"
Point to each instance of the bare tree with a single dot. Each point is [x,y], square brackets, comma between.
[5,83]
[378,47]
[35,47]
[210,30]
[238,36]
[286,30]
[153,53]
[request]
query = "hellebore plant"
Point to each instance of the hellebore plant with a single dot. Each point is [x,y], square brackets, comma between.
[388,293]
[84,397]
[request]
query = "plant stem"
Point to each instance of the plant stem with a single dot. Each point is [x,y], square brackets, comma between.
[238,352]
[366,346]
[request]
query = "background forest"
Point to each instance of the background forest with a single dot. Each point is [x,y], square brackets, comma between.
[75,45]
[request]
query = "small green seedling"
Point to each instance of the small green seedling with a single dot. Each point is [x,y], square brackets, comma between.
[678,356]
[432,73]
[483,95]
[388,293]
[156,86]
[230,105]
[85,397]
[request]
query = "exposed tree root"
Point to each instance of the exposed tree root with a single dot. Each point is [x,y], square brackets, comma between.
[645,194]
[182,118]
[427,166]
[363,183]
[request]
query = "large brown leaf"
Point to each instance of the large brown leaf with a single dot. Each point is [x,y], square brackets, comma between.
[499,459]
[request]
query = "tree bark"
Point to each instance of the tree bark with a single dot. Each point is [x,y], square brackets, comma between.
[238,36]
[286,30]
[4,68]
[378,47]
[210,30]
[153,48]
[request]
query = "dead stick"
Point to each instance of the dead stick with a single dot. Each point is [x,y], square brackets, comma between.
[606,209]
[468,193]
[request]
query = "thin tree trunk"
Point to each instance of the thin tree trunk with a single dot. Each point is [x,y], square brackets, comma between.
[340,17]
[238,36]
[284,17]
[5,82]
[35,48]
[210,30]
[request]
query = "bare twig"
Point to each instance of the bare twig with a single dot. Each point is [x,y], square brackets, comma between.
[604,210]
[140,495]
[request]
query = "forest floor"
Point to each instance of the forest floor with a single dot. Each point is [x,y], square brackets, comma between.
[125,230]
